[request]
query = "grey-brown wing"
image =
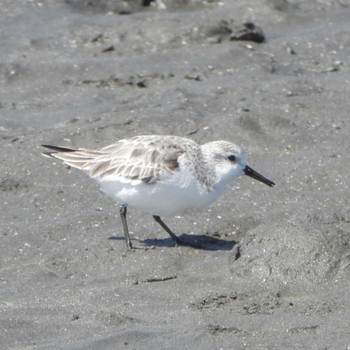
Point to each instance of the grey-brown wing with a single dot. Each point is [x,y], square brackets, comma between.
[147,159]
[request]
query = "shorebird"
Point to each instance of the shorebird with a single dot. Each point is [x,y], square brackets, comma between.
[160,175]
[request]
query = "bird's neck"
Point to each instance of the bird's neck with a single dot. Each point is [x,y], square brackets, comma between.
[206,174]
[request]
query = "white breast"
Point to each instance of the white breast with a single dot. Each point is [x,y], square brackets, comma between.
[178,194]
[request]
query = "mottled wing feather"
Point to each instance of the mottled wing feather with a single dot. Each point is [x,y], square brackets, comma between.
[142,161]
[144,158]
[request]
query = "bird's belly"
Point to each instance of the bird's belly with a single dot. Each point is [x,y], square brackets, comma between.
[163,199]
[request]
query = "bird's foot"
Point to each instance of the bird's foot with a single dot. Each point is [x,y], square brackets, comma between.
[133,247]
[179,242]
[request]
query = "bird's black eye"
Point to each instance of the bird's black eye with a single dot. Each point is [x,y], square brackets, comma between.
[231,158]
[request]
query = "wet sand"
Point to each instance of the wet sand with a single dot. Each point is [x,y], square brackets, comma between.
[275,270]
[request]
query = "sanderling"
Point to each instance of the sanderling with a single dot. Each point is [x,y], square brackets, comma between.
[160,175]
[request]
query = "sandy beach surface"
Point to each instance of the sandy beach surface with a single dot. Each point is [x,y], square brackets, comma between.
[271,76]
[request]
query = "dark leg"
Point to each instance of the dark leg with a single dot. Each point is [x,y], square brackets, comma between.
[176,239]
[122,211]
[129,245]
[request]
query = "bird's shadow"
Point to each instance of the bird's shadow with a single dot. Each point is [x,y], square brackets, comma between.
[202,242]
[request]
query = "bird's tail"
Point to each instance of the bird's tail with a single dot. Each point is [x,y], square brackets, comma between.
[56,149]
[77,158]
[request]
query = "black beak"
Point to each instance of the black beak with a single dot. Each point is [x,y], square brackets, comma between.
[255,175]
